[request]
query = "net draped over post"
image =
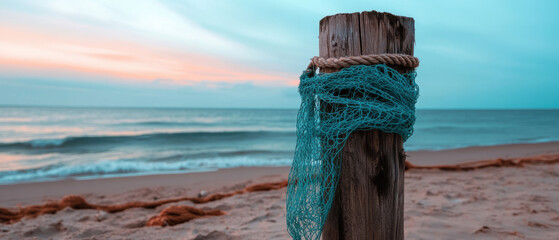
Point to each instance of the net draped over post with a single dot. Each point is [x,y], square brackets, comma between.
[333,105]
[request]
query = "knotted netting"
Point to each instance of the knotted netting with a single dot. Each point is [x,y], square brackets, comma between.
[333,105]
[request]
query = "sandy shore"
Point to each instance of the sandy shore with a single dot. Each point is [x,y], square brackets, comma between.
[492,203]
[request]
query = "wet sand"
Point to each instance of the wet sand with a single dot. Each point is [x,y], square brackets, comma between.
[491,203]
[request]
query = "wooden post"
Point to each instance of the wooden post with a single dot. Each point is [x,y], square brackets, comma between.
[369,200]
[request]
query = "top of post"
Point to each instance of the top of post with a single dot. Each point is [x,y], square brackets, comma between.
[373,13]
[368,32]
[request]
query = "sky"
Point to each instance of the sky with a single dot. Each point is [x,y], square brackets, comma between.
[249,54]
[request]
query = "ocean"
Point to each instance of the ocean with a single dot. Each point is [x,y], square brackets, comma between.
[50,143]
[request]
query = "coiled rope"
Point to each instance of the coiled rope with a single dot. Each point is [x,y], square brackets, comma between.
[402,60]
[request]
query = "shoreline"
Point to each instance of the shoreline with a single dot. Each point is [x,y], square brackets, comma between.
[26,193]
[489,203]
[476,153]
[37,192]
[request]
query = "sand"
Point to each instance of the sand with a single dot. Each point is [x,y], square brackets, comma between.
[491,203]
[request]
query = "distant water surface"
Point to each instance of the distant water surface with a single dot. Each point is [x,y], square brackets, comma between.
[47,143]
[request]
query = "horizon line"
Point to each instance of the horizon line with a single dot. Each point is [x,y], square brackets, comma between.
[243,108]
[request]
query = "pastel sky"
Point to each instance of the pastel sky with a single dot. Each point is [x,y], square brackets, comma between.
[144,53]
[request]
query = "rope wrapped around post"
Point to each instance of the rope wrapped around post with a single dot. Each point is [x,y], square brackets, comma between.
[369,59]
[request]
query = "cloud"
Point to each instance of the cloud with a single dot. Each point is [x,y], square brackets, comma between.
[259,48]
[149,18]
[26,46]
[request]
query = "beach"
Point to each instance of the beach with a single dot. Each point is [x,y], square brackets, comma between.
[490,203]
[278,120]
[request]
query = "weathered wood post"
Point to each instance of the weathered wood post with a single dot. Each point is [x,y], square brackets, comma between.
[369,200]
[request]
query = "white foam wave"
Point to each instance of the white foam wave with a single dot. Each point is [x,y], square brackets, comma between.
[128,167]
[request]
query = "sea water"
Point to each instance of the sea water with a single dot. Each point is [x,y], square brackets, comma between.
[49,143]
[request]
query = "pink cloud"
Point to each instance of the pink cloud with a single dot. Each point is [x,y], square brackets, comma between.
[25,47]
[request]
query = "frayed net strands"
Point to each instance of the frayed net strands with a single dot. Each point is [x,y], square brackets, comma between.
[333,105]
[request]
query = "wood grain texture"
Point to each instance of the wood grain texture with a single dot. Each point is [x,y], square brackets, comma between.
[369,200]
[339,37]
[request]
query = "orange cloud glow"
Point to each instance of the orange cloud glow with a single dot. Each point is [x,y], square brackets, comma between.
[25,47]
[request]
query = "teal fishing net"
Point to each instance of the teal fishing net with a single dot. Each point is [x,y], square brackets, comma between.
[333,105]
